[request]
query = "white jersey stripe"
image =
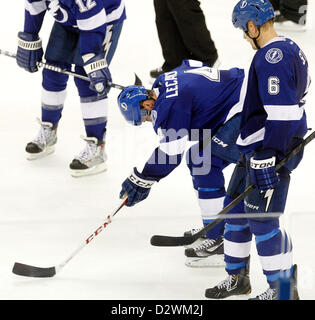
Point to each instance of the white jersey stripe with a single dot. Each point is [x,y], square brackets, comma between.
[116,14]
[35,8]
[238,107]
[174,147]
[255,137]
[284,113]
[93,22]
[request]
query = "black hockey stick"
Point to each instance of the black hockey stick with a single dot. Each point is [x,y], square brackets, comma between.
[26,270]
[64,71]
[170,241]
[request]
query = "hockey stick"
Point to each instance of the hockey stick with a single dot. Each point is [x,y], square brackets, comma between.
[170,241]
[64,71]
[37,272]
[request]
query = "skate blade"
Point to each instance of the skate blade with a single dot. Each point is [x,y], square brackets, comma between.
[244,296]
[88,172]
[40,155]
[290,27]
[209,262]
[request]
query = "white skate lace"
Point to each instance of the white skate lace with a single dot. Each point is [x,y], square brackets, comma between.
[267,295]
[89,151]
[227,283]
[205,244]
[44,133]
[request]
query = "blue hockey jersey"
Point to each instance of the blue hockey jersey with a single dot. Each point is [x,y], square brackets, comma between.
[192,99]
[273,112]
[90,17]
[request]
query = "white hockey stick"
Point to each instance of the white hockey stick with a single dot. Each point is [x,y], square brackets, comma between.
[38,272]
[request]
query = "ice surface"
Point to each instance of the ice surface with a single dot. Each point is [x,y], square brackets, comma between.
[46,214]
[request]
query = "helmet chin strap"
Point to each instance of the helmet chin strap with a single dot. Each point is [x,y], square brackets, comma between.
[254,39]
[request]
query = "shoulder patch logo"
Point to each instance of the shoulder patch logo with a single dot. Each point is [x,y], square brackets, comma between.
[274,55]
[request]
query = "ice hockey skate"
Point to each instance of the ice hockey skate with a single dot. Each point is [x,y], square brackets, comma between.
[273,293]
[209,253]
[283,24]
[190,233]
[156,72]
[91,160]
[233,285]
[44,143]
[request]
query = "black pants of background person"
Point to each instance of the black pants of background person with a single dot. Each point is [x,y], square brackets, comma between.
[292,10]
[183,33]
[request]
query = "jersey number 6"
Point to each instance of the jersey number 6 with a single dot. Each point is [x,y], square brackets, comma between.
[273,85]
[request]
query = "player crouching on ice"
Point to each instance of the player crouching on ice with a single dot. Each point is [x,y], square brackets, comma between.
[191,103]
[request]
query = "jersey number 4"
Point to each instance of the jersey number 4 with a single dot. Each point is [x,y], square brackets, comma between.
[85,7]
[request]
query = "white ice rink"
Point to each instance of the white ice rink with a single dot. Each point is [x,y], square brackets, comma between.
[45,213]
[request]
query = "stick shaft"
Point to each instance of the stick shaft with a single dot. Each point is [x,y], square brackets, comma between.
[250,188]
[60,70]
[157,240]
[91,237]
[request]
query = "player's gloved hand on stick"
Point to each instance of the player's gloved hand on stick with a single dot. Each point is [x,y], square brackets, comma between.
[262,169]
[137,187]
[97,70]
[29,51]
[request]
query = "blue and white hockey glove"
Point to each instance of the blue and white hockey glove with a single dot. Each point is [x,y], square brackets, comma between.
[137,187]
[97,70]
[29,51]
[262,169]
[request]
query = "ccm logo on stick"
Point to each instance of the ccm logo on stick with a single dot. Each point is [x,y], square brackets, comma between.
[98,230]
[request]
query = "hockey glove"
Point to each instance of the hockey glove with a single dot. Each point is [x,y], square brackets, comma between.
[97,70]
[137,187]
[29,51]
[262,169]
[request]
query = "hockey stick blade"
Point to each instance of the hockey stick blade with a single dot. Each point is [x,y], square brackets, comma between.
[170,241]
[37,272]
[31,271]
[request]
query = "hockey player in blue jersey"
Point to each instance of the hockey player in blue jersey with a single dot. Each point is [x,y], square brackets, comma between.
[84,35]
[191,103]
[273,123]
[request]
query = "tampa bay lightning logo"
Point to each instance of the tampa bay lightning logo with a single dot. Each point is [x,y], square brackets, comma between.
[274,55]
[124,106]
[243,4]
[57,12]
[153,117]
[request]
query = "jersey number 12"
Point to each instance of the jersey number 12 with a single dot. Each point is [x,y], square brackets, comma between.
[85,7]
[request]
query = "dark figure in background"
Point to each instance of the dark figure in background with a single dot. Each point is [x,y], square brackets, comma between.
[183,34]
[290,14]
